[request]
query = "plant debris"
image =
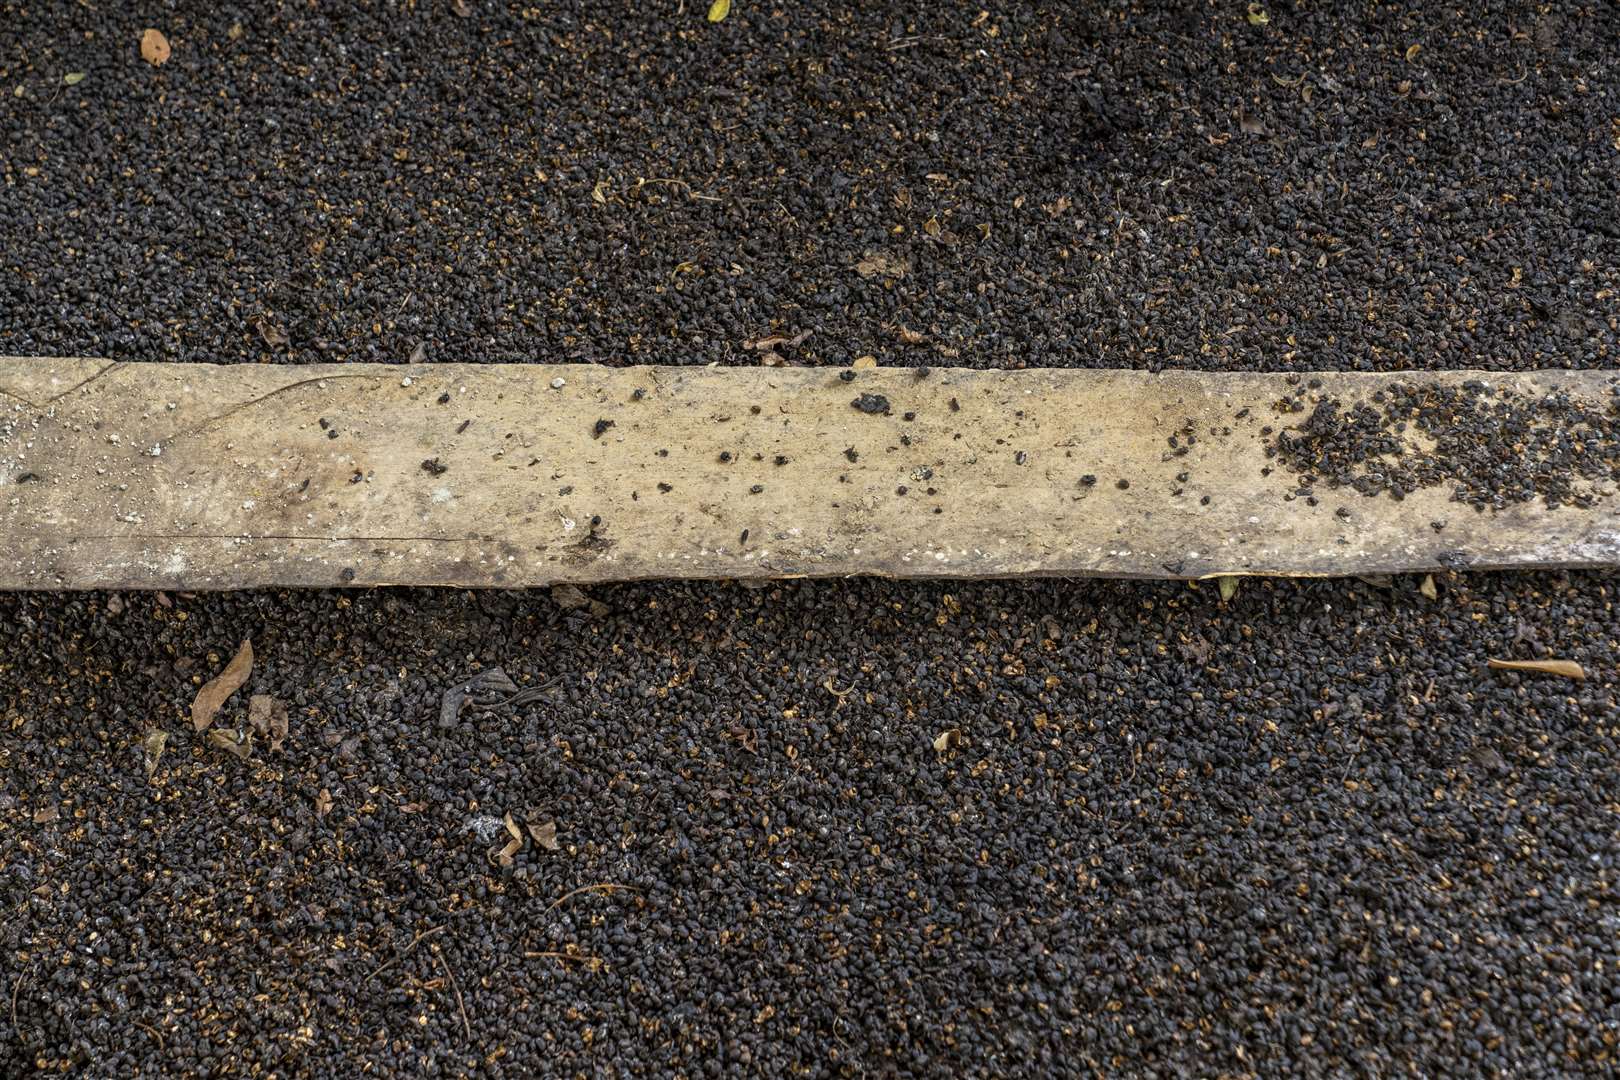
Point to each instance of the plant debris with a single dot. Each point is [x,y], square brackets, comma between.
[878,263]
[508,853]
[1567,669]
[268,717]
[489,686]
[235,740]
[215,692]
[545,834]
[153,744]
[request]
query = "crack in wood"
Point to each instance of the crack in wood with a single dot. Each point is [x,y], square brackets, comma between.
[233,410]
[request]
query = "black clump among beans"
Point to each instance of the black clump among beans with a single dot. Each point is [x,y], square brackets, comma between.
[1301,833]
[873,404]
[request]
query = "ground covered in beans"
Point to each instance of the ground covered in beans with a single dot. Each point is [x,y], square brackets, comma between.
[836,828]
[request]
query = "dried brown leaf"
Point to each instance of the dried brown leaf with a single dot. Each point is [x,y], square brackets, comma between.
[323,803]
[153,745]
[269,718]
[877,263]
[270,333]
[154,47]
[863,363]
[505,856]
[569,597]
[908,335]
[236,742]
[1426,587]
[45,815]
[1569,669]
[511,828]
[216,690]
[461,8]
[948,739]
[545,834]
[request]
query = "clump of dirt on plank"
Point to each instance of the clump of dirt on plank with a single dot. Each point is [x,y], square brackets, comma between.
[1495,447]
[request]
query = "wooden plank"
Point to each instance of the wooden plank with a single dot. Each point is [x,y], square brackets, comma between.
[124,475]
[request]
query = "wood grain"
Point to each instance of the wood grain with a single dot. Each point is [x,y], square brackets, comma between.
[137,475]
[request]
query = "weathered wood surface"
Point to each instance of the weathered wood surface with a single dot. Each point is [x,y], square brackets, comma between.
[195,476]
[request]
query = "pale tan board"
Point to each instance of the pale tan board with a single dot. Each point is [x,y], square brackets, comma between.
[137,475]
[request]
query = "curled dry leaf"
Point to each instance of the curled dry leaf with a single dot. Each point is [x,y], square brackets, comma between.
[269,718]
[154,47]
[1426,587]
[45,815]
[908,335]
[216,690]
[1569,669]
[545,834]
[505,855]
[323,803]
[948,739]
[236,742]
[153,745]
[461,8]
[272,335]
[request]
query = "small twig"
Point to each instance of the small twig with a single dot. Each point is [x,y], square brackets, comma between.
[415,941]
[15,990]
[834,691]
[594,961]
[605,886]
[457,988]
[152,1031]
